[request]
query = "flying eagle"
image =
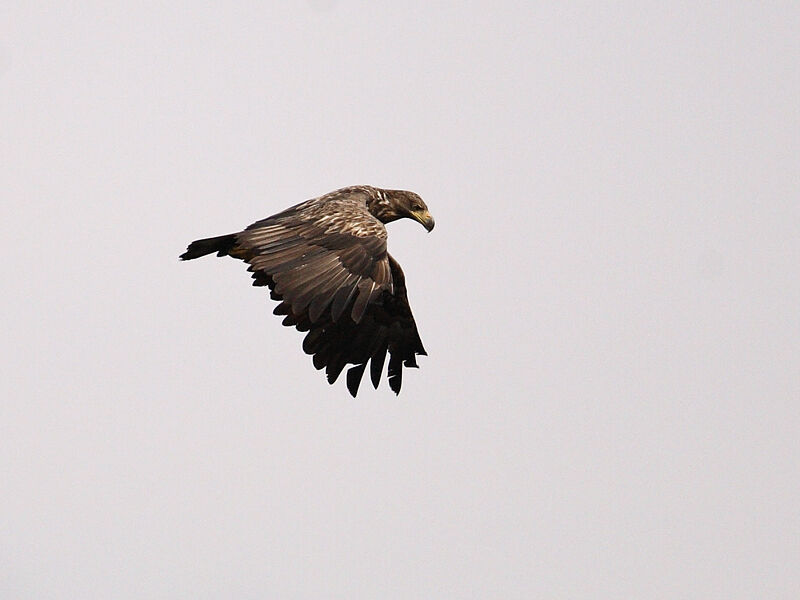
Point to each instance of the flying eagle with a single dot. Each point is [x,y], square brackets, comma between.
[325,262]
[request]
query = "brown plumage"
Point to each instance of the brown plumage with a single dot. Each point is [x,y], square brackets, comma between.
[325,262]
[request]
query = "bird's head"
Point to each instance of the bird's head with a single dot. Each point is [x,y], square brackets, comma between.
[390,205]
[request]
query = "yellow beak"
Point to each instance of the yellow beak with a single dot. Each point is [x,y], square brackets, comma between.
[424,217]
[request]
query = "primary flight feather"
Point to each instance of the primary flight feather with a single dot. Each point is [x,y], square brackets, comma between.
[325,262]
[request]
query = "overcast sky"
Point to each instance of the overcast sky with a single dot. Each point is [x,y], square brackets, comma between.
[610,301]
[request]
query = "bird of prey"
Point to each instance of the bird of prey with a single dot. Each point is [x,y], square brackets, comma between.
[325,262]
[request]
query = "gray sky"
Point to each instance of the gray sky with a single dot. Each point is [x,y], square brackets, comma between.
[611,404]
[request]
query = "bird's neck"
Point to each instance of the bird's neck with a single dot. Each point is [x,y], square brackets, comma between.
[381,207]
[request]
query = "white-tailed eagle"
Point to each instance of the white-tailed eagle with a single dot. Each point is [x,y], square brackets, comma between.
[325,262]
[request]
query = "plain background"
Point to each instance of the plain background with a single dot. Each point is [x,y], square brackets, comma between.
[610,301]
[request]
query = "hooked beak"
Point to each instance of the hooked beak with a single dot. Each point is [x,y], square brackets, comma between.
[424,217]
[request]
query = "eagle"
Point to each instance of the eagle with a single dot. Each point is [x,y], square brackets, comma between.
[325,262]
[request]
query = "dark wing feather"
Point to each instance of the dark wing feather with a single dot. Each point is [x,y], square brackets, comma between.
[387,326]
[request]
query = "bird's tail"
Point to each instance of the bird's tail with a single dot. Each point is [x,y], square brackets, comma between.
[222,245]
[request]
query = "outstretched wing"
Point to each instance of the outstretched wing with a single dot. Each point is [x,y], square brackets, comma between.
[387,326]
[321,258]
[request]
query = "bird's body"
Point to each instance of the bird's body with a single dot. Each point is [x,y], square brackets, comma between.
[325,262]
